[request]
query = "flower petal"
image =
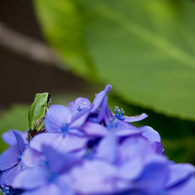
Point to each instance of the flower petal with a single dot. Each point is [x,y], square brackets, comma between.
[72,142]
[136,118]
[79,118]
[150,134]
[65,186]
[20,142]
[131,170]
[93,177]
[56,117]
[158,148]
[10,138]
[179,172]
[31,178]
[83,102]
[135,147]
[9,158]
[9,175]
[32,158]
[154,177]
[58,162]
[127,132]
[96,129]
[46,138]
[107,148]
[187,187]
[99,98]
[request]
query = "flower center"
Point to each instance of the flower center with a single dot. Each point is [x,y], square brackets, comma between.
[64,129]
[5,190]
[119,113]
[19,157]
[80,108]
[111,124]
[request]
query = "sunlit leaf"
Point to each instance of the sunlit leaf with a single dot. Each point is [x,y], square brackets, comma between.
[145,49]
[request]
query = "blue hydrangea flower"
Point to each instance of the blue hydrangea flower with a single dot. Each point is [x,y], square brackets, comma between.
[86,149]
[50,177]
[62,130]
[10,160]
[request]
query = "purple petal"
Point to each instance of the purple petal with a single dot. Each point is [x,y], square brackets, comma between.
[99,98]
[102,112]
[49,189]
[179,172]
[46,138]
[93,177]
[93,171]
[158,148]
[150,134]
[10,138]
[64,184]
[32,158]
[80,102]
[79,118]
[131,170]
[107,148]
[135,118]
[109,117]
[135,147]
[122,124]
[72,142]
[83,102]
[1,183]
[20,142]
[96,129]
[59,162]
[9,158]
[31,178]
[127,132]
[77,132]
[9,175]
[56,117]
[153,177]
[185,188]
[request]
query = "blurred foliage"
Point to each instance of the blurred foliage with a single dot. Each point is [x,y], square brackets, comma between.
[144,49]
[14,118]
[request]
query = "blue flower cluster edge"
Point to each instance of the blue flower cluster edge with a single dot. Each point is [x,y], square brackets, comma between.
[86,149]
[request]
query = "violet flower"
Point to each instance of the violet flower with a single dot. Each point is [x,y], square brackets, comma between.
[10,160]
[49,178]
[86,149]
[114,167]
[62,130]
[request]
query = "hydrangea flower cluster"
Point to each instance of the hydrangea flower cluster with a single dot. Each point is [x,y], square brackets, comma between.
[87,149]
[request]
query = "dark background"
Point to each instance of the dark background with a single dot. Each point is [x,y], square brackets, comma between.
[20,77]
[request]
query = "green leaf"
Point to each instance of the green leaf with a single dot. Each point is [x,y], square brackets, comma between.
[14,118]
[145,49]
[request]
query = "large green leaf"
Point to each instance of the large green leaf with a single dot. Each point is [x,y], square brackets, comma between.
[145,49]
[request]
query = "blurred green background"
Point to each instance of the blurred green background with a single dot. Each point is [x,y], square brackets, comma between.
[144,49]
